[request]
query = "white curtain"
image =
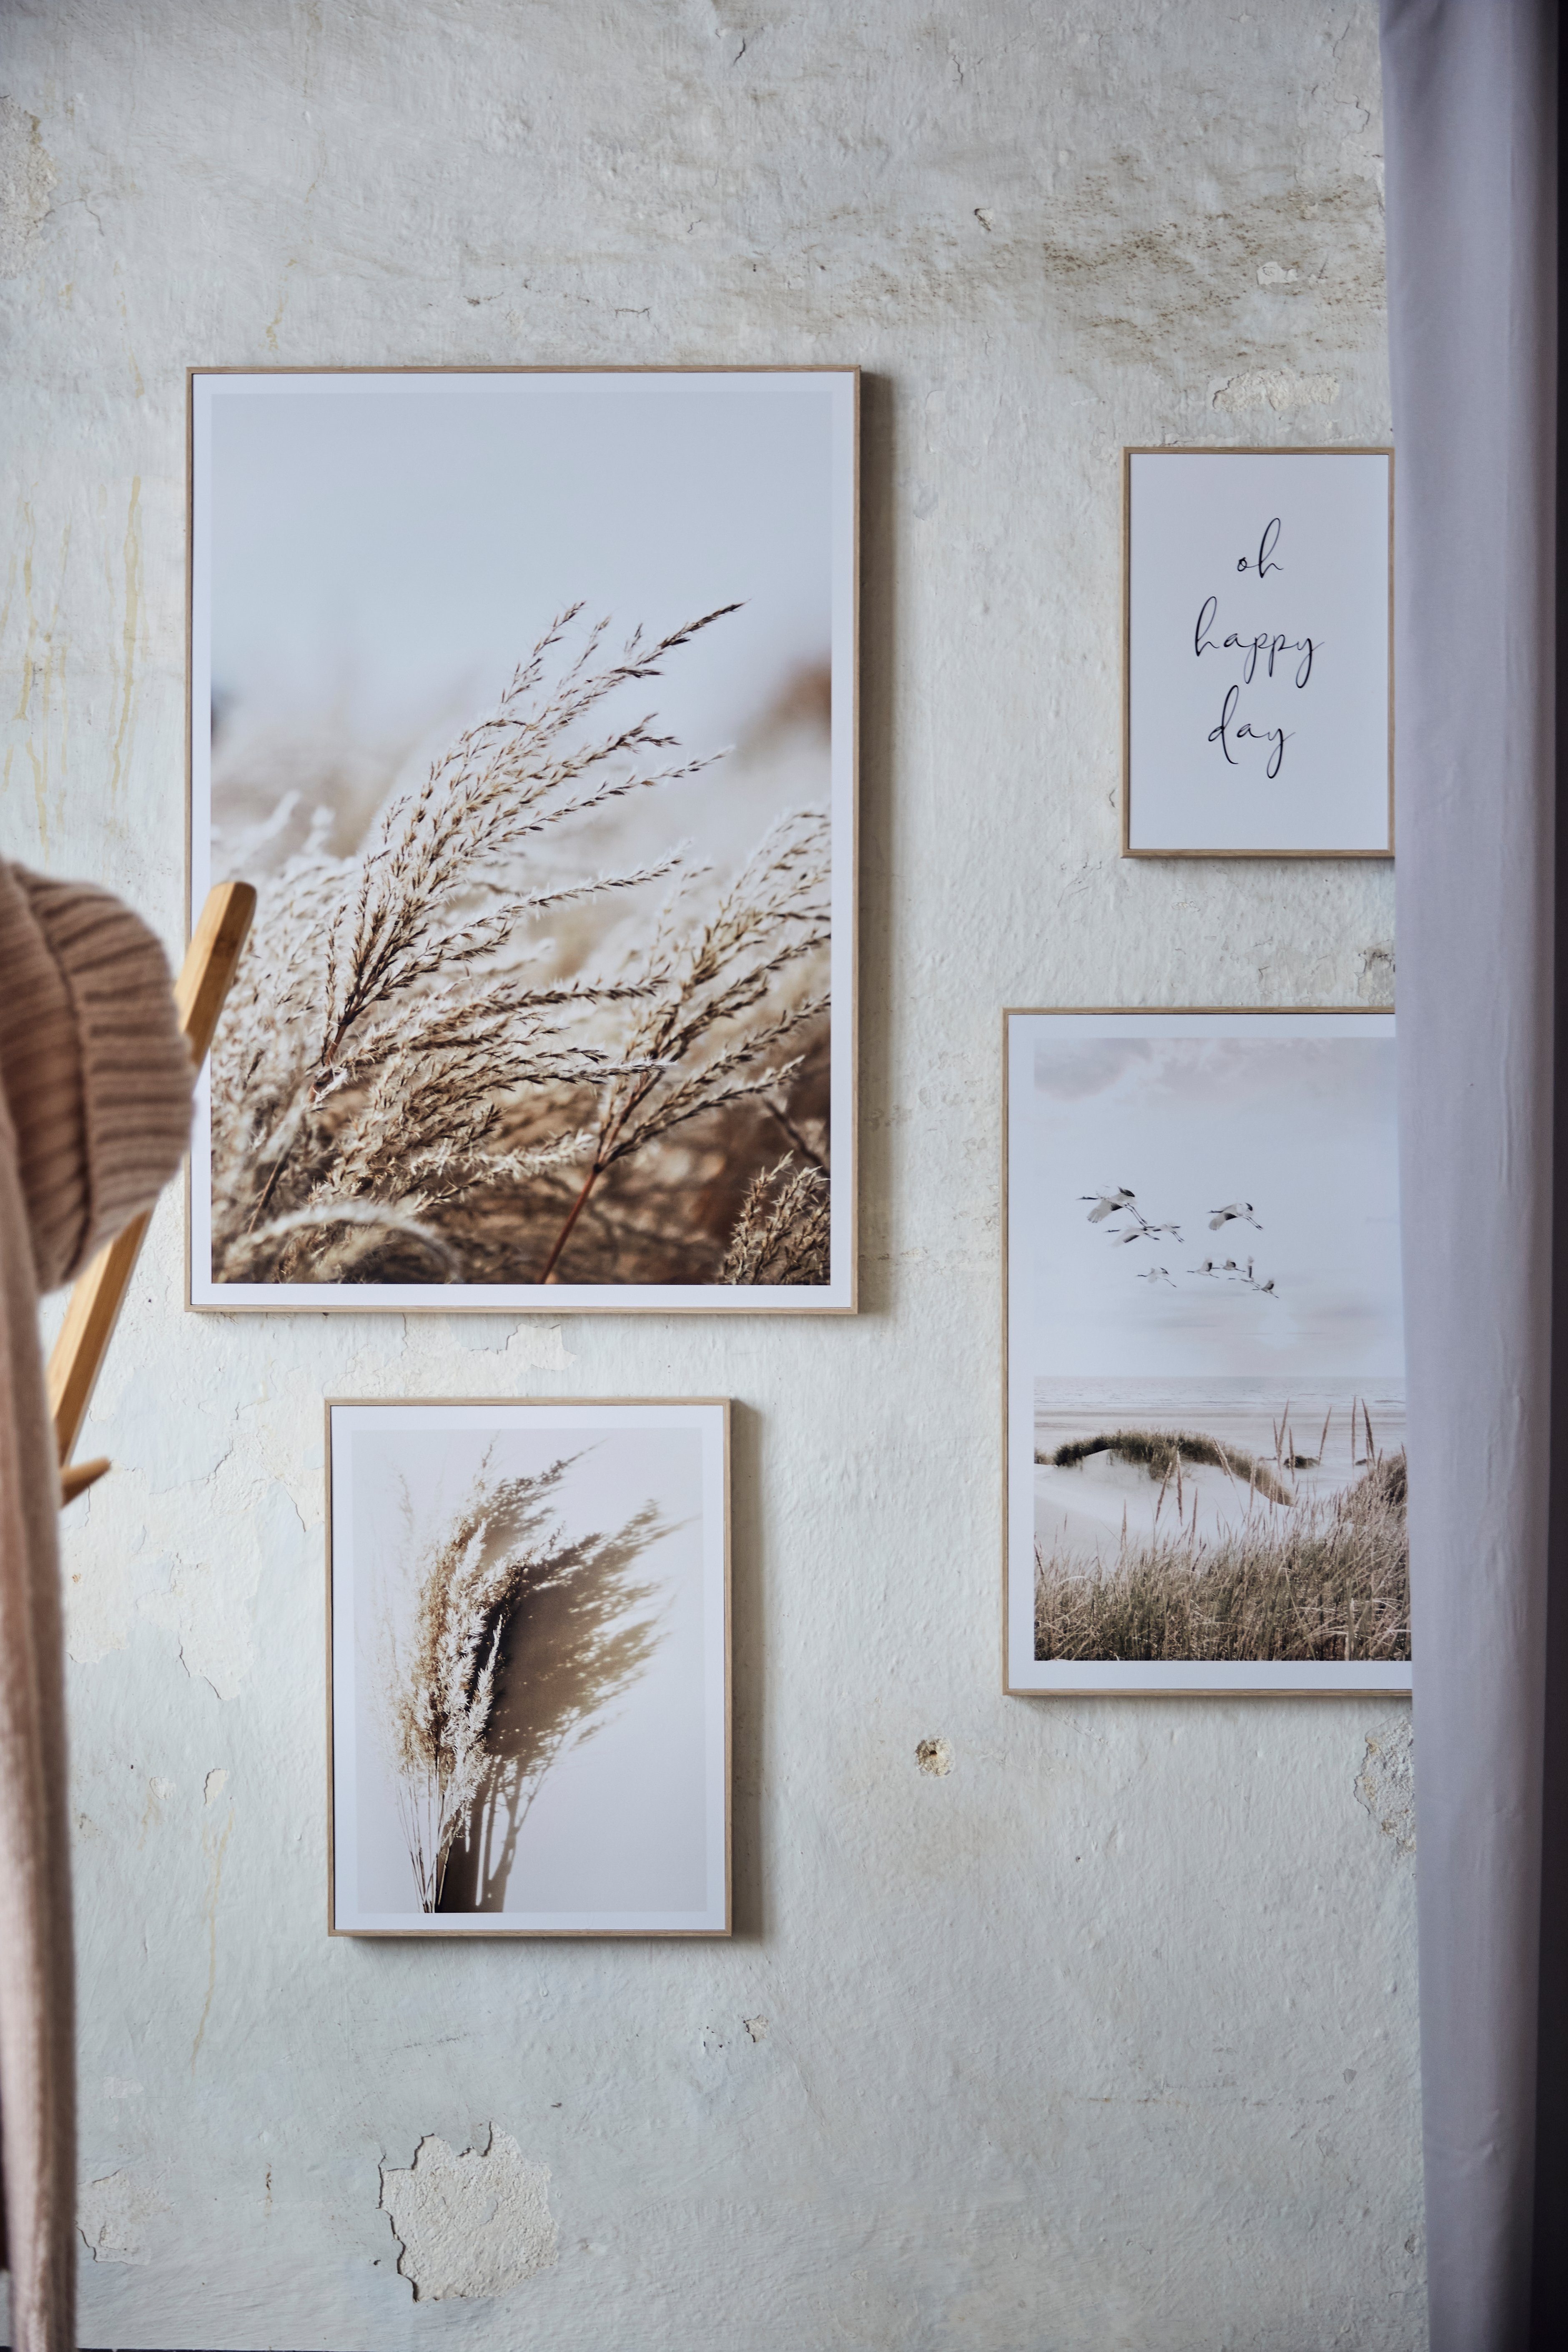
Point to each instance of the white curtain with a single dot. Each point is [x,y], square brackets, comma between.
[1470,112]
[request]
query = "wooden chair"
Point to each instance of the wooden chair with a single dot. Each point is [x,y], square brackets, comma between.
[93,1307]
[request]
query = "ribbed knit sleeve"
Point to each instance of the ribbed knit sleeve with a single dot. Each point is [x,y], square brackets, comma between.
[96,1074]
[40,1081]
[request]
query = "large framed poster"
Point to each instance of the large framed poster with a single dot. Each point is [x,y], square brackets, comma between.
[1258,653]
[1206,1481]
[527,700]
[528,1668]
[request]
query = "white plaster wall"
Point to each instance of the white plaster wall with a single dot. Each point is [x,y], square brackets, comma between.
[1105,2036]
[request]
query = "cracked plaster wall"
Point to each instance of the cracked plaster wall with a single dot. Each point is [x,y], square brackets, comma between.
[1096,2027]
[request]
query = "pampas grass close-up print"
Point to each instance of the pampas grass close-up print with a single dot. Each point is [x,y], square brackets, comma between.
[529,1668]
[527,703]
[446,1059]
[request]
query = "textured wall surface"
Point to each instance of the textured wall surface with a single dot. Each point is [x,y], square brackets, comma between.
[1096,2030]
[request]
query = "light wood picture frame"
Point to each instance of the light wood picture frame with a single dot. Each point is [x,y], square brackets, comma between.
[529,1667]
[1203,1395]
[1257,652]
[528,698]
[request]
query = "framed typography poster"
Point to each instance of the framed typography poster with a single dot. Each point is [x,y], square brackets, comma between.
[1257,715]
[526,699]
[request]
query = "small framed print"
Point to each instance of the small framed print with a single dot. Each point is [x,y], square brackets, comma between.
[1206,1481]
[528,1668]
[526,699]
[1258,683]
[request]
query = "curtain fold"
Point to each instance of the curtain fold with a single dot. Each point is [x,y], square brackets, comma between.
[1470,124]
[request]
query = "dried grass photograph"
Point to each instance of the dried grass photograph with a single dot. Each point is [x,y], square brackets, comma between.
[529,1668]
[1205,1400]
[526,700]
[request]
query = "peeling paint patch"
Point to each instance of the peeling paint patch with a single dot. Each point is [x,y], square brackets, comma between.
[213,1785]
[935,1757]
[1385,1785]
[1377,974]
[757,2027]
[111,2215]
[473,2225]
[540,1347]
[1155,284]
[27,176]
[1275,388]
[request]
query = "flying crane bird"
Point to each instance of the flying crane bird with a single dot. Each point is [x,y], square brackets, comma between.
[1120,1200]
[1239,1211]
[1142,1230]
[1157,1274]
[1229,1271]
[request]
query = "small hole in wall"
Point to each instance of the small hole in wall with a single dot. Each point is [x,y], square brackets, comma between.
[935,1757]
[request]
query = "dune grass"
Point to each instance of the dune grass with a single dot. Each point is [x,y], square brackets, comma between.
[1163,1451]
[1327,1580]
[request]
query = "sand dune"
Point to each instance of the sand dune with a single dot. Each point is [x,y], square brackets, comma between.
[1083,1508]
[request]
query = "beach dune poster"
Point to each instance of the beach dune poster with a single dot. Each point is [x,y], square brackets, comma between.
[1204,1356]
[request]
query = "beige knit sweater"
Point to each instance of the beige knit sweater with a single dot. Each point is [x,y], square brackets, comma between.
[95,1096]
